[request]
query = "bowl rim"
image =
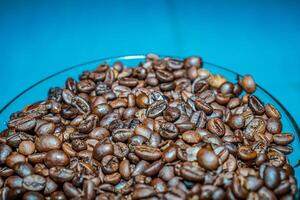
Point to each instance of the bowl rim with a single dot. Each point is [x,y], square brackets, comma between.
[143,56]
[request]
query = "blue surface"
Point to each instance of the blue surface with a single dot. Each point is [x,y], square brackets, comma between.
[38,38]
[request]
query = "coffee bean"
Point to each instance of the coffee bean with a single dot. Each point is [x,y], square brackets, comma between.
[122,135]
[164,76]
[34,182]
[248,84]
[255,127]
[56,158]
[274,126]
[191,137]
[23,169]
[14,182]
[61,174]
[45,129]
[256,105]
[121,150]
[5,151]
[86,86]
[70,191]
[283,138]
[201,105]
[14,158]
[216,126]
[147,153]
[168,130]
[156,108]
[171,114]
[272,112]
[110,164]
[101,150]
[47,142]
[50,186]
[154,168]
[246,153]
[32,196]
[192,172]
[236,121]
[207,159]
[99,133]
[129,82]
[124,169]
[169,154]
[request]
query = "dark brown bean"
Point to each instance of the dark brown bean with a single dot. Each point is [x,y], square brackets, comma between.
[207,159]
[147,153]
[101,150]
[216,126]
[34,182]
[56,158]
[47,143]
[283,138]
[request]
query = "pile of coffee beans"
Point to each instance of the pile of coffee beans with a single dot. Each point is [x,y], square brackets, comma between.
[165,129]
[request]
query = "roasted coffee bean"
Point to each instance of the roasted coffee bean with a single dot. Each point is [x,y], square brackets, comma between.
[236,121]
[26,148]
[14,182]
[201,105]
[101,150]
[23,169]
[164,76]
[79,145]
[143,192]
[129,82]
[283,138]
[191,137]
[56,158]
[34,182]
[86,86]
[153,168]
[121,150]
[216,126]
[58,195]
[147,153]
[271,177]
[47,142]
[99,133]
[199,119]
[248,84]
[32,196]
[171,114]
[246,153]
[14,158]
[168,130]
[192,172]
[257,126]
[272,112]
[122,135]
[50,186]
[110,164]
[207,159]
[274,126]
[156,108]
[70,191]
[256,105]
[61,174]
[169,154]
[5,151]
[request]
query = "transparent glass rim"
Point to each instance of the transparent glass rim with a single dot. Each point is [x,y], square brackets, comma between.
[142,56]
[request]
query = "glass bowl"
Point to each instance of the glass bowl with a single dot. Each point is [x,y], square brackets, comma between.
[39,90]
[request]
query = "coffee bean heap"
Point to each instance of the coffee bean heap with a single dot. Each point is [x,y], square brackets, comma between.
[166,129]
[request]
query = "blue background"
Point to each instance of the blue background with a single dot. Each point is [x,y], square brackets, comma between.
[38,38]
